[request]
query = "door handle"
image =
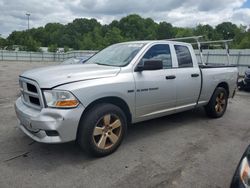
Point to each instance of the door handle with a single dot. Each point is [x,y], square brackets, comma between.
[195,75]
[170,77]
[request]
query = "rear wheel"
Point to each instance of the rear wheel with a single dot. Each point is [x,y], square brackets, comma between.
[102,129]
[218,103]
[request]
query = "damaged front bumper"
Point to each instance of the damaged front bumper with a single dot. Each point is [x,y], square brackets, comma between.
[49,125]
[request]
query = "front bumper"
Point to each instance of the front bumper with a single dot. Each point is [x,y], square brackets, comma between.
[37,124]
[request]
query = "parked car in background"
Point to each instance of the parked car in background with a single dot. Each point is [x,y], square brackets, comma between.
[245,83]
[125,83]
[241,178]
[76,60]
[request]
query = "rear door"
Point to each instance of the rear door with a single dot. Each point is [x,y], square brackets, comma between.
[155,92]
[188,77]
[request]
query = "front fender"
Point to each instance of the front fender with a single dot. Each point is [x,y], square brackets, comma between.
[88,91]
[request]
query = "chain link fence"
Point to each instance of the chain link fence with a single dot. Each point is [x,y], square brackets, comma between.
[41,56]
[240,58]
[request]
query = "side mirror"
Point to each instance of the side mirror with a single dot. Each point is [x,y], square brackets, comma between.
[149,65]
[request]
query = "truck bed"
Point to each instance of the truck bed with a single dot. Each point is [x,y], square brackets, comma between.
[214,74]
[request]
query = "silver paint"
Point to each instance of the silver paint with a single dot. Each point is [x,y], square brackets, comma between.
[92,82]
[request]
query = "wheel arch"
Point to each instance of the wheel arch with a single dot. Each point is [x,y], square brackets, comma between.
[225,86]
[111,100]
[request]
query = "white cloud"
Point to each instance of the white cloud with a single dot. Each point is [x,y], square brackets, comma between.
[241,16]
[186,13]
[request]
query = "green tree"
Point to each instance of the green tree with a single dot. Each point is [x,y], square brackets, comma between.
[52,48]
[31,44]
[207,31]
[53,33]
[86,42]
[184,32]
[18,37]
[150,29]
[113,36]
[132,27]
[3,42]
[66,49]
[244,42]
[227,30]
[165,31]
[93,40]
[85,33]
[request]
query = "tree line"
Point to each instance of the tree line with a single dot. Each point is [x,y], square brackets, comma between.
[89,34]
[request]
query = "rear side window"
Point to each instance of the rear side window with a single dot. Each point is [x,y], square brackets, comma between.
[183,56]
[159,52]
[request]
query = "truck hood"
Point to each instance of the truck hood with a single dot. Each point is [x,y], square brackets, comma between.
[49,77]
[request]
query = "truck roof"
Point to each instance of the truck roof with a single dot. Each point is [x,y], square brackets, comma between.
[155,41]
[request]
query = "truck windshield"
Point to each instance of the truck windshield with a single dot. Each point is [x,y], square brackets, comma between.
[118,55]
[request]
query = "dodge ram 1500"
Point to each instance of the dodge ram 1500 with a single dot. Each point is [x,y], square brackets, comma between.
[123,84]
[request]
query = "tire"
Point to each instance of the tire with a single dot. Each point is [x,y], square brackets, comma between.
[102,129]
[241,85]
[217,104]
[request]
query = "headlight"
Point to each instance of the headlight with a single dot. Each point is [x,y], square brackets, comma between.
[60,99]
[245,172]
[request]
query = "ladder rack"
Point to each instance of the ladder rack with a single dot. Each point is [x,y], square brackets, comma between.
[199,44]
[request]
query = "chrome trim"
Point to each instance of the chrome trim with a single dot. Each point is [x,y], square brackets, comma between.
[170,109]
[25,93]
[31,93]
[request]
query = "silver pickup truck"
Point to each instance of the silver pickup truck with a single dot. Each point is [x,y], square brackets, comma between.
[123,84]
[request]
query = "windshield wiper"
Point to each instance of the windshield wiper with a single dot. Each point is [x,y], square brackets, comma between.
[105,64]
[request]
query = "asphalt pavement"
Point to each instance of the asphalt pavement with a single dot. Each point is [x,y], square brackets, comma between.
[182,150]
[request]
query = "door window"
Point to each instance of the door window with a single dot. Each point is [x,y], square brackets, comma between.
[159,52]
[183,55]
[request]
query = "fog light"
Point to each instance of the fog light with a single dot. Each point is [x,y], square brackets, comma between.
[51,133]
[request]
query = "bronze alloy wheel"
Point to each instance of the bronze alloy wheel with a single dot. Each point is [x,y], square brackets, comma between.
[220,103]
[107,131]
[102,129]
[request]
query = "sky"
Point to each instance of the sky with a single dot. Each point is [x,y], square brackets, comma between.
[183,13]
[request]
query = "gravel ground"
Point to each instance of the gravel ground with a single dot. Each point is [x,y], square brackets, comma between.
[183,150]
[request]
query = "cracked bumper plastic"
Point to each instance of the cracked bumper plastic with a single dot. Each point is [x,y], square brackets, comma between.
[36,123]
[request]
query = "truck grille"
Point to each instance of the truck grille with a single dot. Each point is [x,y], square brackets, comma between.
[31,93]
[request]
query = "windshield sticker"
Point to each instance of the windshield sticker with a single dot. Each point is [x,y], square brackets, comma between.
[135,45]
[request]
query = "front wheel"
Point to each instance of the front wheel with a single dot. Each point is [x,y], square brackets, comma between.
[102,129]
[218,103]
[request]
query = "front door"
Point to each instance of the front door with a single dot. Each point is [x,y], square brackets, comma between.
[155,89]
